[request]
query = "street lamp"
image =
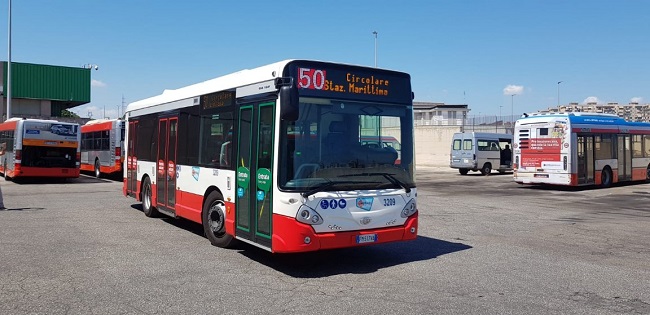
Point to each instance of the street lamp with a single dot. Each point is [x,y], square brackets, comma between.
[375,33]
[558,94]
[512,108]
[9,64]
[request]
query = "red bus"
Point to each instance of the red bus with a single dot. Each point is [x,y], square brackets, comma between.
[39,148]
[102,144]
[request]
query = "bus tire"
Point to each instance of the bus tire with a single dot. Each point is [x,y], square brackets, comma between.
[463,171]
[213,218]
[147,205]
[647,173]
[606,177]
[487,169]
[97,171]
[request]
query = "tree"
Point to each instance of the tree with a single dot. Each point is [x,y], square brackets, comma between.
[67,113]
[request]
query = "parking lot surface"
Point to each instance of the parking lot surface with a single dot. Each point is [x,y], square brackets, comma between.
[486,246]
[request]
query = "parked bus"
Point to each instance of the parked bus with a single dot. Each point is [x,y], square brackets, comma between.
[102,144]
[481,151]
[39,148]
[577,149]
[272,156]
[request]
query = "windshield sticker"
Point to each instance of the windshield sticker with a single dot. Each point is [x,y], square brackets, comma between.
[260,195]
[195,172]
[365,203]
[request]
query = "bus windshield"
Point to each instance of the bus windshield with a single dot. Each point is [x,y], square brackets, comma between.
[346,145]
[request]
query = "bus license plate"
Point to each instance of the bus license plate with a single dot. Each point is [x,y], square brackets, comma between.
[366,238]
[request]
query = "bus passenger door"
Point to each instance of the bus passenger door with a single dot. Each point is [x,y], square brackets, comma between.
[585,165]
[254,178]
[131,161]
[166,166]
[624,158]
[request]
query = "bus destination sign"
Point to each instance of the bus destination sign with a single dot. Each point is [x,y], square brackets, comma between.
[218,99]
[353,83]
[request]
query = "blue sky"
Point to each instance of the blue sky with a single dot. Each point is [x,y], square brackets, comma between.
[457,51]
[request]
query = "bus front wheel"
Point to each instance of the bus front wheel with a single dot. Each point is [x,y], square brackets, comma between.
[147,206]
[213,218]
[606,177]
[647,175]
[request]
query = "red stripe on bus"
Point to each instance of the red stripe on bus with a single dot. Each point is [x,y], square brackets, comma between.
[97,127]
[289,235]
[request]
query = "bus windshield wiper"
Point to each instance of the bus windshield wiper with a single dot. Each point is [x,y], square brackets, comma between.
[390,177]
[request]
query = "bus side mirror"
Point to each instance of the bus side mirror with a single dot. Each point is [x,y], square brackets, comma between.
[288,99]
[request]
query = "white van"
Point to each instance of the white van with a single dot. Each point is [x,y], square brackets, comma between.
[481,151]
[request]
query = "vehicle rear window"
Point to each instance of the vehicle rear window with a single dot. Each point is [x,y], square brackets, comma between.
[467,144]
[456,145]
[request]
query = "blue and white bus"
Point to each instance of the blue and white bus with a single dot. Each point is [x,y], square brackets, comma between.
[577,149]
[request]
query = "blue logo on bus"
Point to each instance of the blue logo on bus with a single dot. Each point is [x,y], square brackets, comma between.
[260,195]
[240,192]
[324,204]
[333,204]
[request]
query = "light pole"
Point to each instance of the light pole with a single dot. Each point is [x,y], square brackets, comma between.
[9,64]
[512,108]
[558,94]
[375,33]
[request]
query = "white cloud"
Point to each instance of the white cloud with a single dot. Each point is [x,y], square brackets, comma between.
[513,90]
[637,99]
[591,99]
[97,83]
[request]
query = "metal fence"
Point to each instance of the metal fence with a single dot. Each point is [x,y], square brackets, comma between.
[487,123]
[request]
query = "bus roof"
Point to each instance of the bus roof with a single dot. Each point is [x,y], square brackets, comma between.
[226,82]
[99,121]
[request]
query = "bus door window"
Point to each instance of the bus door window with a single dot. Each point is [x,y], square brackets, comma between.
[216,139]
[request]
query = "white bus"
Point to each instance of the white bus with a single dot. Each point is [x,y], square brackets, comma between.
[102,144]
[273,157]
[577,149]
[481,151]
[39,148]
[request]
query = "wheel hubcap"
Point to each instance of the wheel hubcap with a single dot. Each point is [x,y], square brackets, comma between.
[147,197]
[216,218]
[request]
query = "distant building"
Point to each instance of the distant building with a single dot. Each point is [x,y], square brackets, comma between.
[630,112]
[43,91]
[428,113]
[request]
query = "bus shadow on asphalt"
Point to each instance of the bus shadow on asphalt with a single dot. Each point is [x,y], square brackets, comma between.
[358,260]
[579,188]
[54,180]
[325,263]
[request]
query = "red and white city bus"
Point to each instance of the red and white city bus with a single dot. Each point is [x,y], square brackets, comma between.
[580,149]
[39,148]
[102,144]
[273,156]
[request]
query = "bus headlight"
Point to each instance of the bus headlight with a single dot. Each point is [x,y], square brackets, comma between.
[409,209]
[308,215]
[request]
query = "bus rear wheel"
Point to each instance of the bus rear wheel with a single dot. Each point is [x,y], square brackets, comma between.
[147,206]
[97,172]
[213,218]
[647,175]
[606,177]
